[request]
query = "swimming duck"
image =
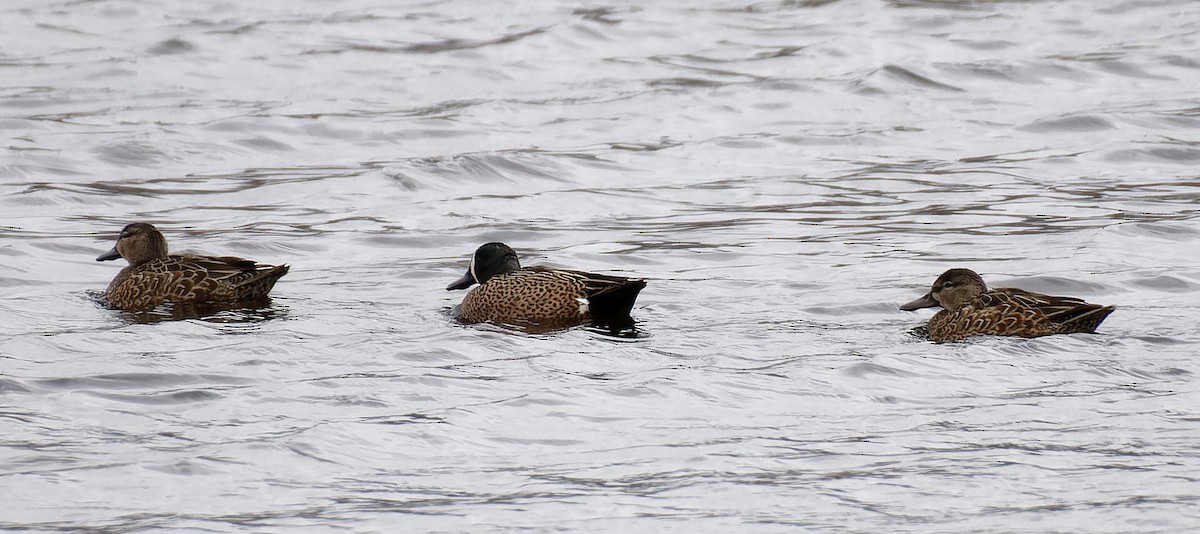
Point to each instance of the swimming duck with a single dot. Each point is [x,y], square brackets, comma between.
[971,309]
[154,277]
[540,296]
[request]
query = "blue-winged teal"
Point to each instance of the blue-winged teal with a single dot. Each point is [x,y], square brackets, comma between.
[971,309]
[539,296]
[154,277]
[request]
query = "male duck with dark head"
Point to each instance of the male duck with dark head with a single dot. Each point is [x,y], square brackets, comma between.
[154,277]
[971,309]
[539,296]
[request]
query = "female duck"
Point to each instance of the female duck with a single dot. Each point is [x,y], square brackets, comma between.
[540,296]
[154,277]
[971,309]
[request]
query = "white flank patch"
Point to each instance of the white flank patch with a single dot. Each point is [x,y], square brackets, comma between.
[583,305]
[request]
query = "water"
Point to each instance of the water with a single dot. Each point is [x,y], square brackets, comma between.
[783,173]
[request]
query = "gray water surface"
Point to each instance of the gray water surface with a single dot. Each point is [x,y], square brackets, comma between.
[783,173]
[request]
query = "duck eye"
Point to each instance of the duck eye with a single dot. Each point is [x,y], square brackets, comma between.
[948,283]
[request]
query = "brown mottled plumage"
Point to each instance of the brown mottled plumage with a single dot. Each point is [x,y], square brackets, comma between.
[154,277]
[540,296]
[971,309]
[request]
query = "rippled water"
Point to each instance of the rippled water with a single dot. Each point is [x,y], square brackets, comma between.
[783,173]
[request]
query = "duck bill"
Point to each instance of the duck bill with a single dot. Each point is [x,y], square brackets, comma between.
[110,255]
[926,301]
[462,283]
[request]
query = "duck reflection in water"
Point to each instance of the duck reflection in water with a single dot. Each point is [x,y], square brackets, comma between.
[232,313]
[542,299]
[971,309]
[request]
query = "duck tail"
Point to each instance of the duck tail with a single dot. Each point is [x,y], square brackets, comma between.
[261,283]
[1088,319]
[616,299]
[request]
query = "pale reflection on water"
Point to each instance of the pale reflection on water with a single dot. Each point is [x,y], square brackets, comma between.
[783,174]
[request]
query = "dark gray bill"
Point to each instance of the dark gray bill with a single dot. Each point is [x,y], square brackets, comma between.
[110,255]
[925,301]
[462,283]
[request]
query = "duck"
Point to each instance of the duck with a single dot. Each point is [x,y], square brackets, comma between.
[970,309]
[539,296]
[154,277]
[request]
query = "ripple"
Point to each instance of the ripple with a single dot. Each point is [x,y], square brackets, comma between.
[174,397]
[12,386]
[434,47]
[1164,283]
[1165,154]
[909,76]
[171,46]
[1076,123]
[130,154]
[134,380]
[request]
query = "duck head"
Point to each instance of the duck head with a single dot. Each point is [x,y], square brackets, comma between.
[490,259]
[138,243]
[952,290]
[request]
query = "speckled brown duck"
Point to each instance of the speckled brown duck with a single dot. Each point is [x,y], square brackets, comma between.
[154,277]
[540,296]
[971,309]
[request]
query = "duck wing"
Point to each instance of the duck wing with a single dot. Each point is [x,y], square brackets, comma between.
[607,295]
[1072,314]
[230,277]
